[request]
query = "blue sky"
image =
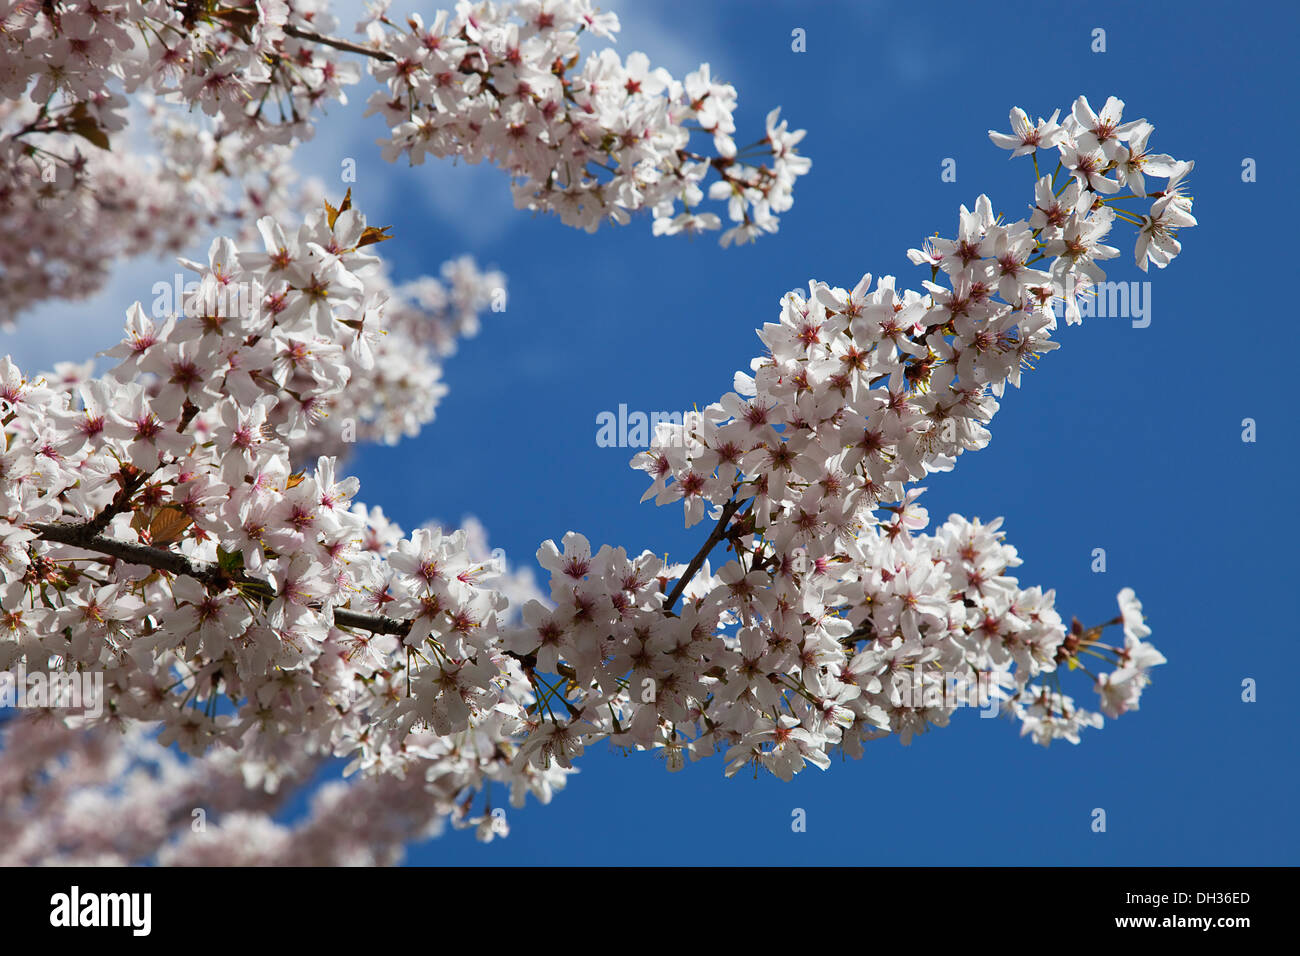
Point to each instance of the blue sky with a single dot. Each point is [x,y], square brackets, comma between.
[1125,439]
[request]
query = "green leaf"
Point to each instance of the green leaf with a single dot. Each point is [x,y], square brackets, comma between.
[231,562]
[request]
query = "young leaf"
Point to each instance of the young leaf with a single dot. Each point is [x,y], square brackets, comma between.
[168,525]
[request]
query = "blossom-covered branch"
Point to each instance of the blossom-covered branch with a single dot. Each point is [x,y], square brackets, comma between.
[836,619]
[235,87]
[105,796]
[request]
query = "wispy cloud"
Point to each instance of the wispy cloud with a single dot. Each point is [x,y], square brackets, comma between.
[676,46]
[914,53]
[73,331]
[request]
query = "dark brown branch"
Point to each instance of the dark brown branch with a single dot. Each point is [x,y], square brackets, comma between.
[129,480]
[90,537]
[345,45]
[376,623]
[87,537]
[719,532]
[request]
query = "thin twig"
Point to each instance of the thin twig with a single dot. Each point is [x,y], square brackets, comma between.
[345,45]
[719,532]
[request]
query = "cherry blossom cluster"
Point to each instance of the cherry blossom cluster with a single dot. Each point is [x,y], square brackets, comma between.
[780,659]
[153,527]
[153,530]
[70,209]
[388,380]
[499,83]
[108,796]
[394,380]
[494,82]
[862,393]
[65,224]
[77,61]
[1100,155]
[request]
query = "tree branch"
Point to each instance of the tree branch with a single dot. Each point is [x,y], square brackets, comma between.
[87,537]
[345,45]
[372,622]
[719,532]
